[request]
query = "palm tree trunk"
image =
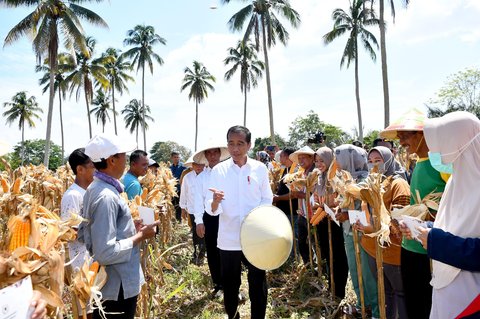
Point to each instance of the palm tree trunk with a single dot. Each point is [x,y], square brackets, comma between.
[143,110]
[269,90]
[88,114]
[114,112]
[61,124]
[23,143]
[357,96]
[52,55]
[383,52]
[136,135]
[245,106]
[196,124]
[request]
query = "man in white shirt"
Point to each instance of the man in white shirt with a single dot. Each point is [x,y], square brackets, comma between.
[207,225]
[238,185]
[72,202]
[187,204]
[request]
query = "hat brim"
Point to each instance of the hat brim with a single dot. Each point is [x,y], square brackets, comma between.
[294,156]
[199,157]
[266,237]
[392,134]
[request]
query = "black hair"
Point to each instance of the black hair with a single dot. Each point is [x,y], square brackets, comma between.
[357,143]
[136,155]
[378,140]
[288,150]
[174,153]
[240,129]
[78,157]
[103,163]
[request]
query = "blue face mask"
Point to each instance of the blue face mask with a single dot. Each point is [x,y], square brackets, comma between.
[436,161]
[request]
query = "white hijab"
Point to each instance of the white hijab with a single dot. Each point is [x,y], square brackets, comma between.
[456,137]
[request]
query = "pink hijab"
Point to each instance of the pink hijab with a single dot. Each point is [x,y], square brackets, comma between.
[456,136]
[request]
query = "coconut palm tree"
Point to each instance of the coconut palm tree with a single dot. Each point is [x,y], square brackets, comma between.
[101,112]
[65,64]
[43,25]
[244,57]
[117,69]
[197,80]
[23,109]
[262,17]
[354,23]
[383,54]
[88,70]
[134,115]
[143,38]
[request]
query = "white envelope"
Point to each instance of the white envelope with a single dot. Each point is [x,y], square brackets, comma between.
[331,214]
[354,215]
[146,214]
[413,223]
[15,300]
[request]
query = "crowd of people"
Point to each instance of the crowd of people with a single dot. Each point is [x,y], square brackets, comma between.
[434,275]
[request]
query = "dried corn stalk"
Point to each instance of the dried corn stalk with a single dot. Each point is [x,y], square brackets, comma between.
[422,207]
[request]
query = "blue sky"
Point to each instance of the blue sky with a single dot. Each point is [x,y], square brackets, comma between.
[429,41]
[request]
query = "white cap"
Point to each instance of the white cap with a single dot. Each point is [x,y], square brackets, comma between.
[102,146]
[152,162]
[304,150]
[199,157]
[266,237]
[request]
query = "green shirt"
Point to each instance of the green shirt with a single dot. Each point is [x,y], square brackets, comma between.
[425,179]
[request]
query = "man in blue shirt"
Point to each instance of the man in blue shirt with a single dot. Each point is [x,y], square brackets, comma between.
[177,168]
[138,167]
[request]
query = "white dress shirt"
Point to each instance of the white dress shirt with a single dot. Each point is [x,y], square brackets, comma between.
[203,182]
[245,188]
[188,190]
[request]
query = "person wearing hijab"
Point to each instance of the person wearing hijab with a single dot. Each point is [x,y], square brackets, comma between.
[454,143]
[397,195]
[324,195]
[416,272]
[353,159]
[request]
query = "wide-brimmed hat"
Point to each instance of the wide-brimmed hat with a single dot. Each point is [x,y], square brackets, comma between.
[102,146]
[199,157]
[4,148]
[304,150]
[266,237]
[412,120]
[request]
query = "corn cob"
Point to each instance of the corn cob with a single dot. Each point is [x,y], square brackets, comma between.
[144,194]
[17,185]
[20,229]
[93,270]
[5,185]
[318,216]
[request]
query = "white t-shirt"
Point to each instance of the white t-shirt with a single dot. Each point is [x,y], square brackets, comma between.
[72,201]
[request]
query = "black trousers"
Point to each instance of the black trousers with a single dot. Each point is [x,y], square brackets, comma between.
[178,209]
[303,239]
[198,243]
[231,264]
[340,264]
[213,254]
[124,307]
[416,278]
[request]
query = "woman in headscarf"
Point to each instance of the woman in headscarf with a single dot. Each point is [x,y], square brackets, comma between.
[397,195]
[324,195]
[454,143]
[354,160]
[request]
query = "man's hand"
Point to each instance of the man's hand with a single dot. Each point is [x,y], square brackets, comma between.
[39,306]
[218,196]
[184,214]
[138,224]
[149,231]
[405,231]
[200,230]
[341,216]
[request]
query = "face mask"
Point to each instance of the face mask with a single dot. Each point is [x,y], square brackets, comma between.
[436,158]
[381,167]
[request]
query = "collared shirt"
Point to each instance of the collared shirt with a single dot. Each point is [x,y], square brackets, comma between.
[132,185]
[203,182]
[177,172]
[72,202]
[187,194]
[245,188]
[107,237]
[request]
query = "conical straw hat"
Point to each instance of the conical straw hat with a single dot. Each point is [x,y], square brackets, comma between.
[266,237]
[412,120]
[199,157]
[304,150]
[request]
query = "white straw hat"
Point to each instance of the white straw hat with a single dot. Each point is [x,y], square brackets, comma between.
[4,148]
[102,146]
[199,157]
[266,237]
[304,150]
